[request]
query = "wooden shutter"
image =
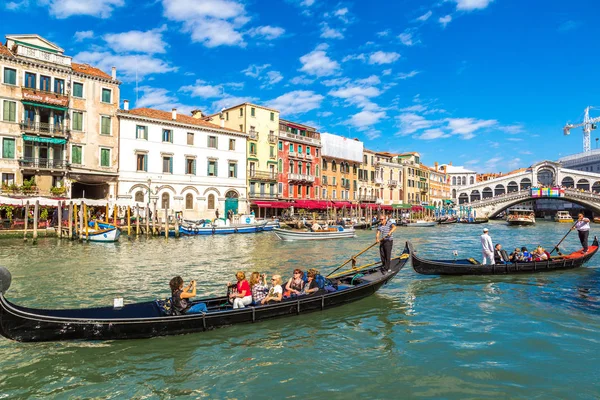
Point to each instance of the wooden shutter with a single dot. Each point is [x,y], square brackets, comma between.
[8,148]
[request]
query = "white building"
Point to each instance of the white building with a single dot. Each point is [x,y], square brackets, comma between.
[458,177]
[181,163]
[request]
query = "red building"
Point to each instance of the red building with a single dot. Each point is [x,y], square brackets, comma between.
[299,161]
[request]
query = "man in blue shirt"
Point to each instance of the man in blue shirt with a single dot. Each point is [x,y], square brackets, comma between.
[385,239]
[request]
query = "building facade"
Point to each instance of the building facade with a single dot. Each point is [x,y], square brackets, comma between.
[299,161]
[181,163]
[439,188]
[416,179]
[368,191]
[340,161]
[457,177]
[58,130]
[389,178]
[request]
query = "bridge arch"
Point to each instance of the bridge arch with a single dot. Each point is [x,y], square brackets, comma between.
[592,206]
[525,183]
[512,187]
[471,180]
[475,195]
[583,184]
[499,190]
[487,193]
[568,182]
[463,198]
[596,187]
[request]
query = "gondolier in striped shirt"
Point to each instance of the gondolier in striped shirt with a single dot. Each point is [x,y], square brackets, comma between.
[385,239]
[583,228]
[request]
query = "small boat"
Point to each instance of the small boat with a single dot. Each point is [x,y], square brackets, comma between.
[473,220]
[336,232]
[449,220]
[146,320]
[212,229]
[471,266]
[102,232]
[520,217]
[597,220]
[421,224]
[564,217]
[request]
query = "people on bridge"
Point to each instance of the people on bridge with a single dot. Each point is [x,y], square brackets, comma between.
[500,255]
[487,248]
[583,228]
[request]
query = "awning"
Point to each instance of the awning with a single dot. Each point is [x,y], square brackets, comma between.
[430,207]
[401,205]
[272,204]
[252,158]
[30,103]
[386,207]
[417,208]
[448,202]
[40,139]
[342,204]
[311,204]
[272,162]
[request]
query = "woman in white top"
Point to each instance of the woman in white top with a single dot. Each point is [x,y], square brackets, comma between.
[276,291]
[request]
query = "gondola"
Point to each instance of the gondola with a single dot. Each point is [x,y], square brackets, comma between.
[448,221]
[145,320]
[471,266]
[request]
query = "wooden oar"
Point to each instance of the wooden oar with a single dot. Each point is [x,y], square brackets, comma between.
[362,267]
[353,259]
[561,240]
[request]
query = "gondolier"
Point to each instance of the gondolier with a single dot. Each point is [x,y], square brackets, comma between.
[583,228]
[487,248]
[385,239]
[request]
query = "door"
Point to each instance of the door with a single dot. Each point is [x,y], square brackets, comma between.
[231,203]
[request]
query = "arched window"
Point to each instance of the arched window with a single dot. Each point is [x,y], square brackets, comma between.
[299,167]
[189,201]
[291,167]
[333,166]
[317,171]
[307,169]
[471,180]
[165,201]
[453,181]
[232,194]
[211,201]
[139,196]
[280,165]
[464,180]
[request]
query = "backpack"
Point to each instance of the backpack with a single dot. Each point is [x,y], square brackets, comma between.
[165,306]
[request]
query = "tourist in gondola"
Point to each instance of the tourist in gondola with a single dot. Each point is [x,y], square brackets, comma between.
[311,286]
[385,238]
[526,256]
[242,297]
[516,255]
[258,287]
[295,284]
[180,297]
[275,292]
[583,228]
[487,248]
[500,255]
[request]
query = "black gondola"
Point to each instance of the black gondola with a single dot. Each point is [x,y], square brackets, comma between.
[145,320]
[473,267]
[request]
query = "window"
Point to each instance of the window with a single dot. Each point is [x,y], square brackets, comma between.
[308,166]
[365,159]
[190,138]
[165,201]
[10,76]
[139,196]
[9,111]
[212,142]
[307,150]
[300,149]
[316,152]
[333,166]
[105,125]
[141,132]
[241,112]
[212,168]
[253,149]
[211,201]
[105,157]
[8,148]
[106,95]
[280,146]
[280,187]
[291,167]
[45,83]
[317,170]
[59,86]
[8,179]
[324,165]
[77,89]
[333,181]
[252,112]
[241,128]
[280,165]
[272,151]
[324,193]
[291,147]
[167,135]
[227,116]
[272,116]
[142,162]
[299,167]
[76,152]
[231,144]
[189,201]
[30,80]
[333,193]
[190,166]
[77,121]
[232,170]
[167,164]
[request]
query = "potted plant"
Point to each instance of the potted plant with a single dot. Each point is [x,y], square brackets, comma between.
[44,217]
[58,191]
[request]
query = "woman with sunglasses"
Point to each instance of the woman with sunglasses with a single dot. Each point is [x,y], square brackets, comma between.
[295,284]
[276,291]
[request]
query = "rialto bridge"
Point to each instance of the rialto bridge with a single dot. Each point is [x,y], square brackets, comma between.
[495,195]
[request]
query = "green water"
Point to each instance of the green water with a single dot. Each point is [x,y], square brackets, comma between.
[529,336]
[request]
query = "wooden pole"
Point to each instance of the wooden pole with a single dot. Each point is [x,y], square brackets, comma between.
[26,220]
[115,215]
[128,221]
[166,223]
[35,220]
[76,216]
[176,227]
[148,219]
[137,220]
[60,219]
[106,214]
[85,222]
[70,220]
[81,221]
[154,219]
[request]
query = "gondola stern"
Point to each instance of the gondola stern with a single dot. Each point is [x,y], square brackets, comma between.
[5,279]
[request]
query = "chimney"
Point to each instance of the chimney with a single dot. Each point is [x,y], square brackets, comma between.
[174,114]
[197,113]
[222,118]
[435,165]
[114,73]
[126,105]
[222,123]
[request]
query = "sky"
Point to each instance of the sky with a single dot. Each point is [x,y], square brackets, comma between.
[487,84]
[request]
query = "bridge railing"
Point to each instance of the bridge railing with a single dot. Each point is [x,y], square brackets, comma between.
[522,194]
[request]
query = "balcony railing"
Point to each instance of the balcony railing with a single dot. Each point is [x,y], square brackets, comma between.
[262,175]
[300,138]
[44,127]
[264,195]
[301,177]
[309,157]
[272,138]
[42,163]
[253,135]
[378,181]
[365,197]
[393,182]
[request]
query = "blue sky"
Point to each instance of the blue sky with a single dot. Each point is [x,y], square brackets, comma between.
[487,84]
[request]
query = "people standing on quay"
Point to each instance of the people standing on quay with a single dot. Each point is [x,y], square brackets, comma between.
[487,248]
[216,214]
[583,228]
[385,239]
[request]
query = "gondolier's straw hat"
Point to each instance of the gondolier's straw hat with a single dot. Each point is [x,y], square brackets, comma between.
[485,229]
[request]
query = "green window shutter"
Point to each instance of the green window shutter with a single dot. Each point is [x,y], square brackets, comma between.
[10,76]
[12,111]
[216,168]
[105,157]
[78,89]
[76,154]
[194,167]
[106,95]
[146,132]
[6,110]
[105,126]
[171,164]
[77,121]
[146,163]
[8,148]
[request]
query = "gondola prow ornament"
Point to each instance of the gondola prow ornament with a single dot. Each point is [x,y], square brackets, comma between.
[5,279]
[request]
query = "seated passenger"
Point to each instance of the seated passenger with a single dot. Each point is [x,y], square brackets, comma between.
[540,254]
[500,255]
[515,255]
[243,296]
[180,296]
[295,284]
[315,226]
[526,256]
[276,291]
[258,287]
[311,286]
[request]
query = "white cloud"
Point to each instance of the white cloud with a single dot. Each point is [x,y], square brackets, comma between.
[371,80]
[254,70]
[431,134]
[470,5]
[335,82]
[364,119]
[569,26]
[296,102]
[386,72]
[161,99]
[445,20]
[95,8]
[137,41]
[202,89]
[317,63]
[268,78]
[425,16]
[415,108]
[466,127]
[385,33]
[82,35]
[126,64]
[512,129]
[325,114]
[351,57]
[411,123]
[408,39]
[301,80]
[352,91]
[343,14]
[381,57]
[407,75]
[273,77]
[266,32]
[330,33]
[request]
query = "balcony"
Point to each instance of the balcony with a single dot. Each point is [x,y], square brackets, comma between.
[301,178]
[252,135]
[262,175]
[272,138]
[44,128]
[392,183]
[379,181]
[346,186]
[299,138]
[308,156]
[294,154]
[43,55]
[264,195]
[42,163]
[367,198]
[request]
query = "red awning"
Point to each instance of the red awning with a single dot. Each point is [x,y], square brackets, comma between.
[342,204]
[311,204]
[386,207]
[416,208]
[272,204]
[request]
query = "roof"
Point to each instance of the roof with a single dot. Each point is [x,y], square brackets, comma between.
[385,153]
[246,104]
[410,153]
[5,51]
[87,69]
[182,119]
[451,169]
[288,122]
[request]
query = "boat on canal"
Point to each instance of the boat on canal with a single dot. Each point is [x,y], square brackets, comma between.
[335,232]
[520,217]
[146,319]
[563,217]
[471,266]
[102,232]
[247,224]
[421,224]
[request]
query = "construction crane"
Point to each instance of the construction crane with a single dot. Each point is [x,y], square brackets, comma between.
[588,124]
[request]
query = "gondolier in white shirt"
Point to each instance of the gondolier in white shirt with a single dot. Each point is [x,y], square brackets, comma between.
[385,239]
[583,228]
[487,248]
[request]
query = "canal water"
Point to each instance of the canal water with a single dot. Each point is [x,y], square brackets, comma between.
[529,336]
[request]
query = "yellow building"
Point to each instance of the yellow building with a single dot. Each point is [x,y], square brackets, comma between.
[368,191]
[388,177]
[341,158]
[416,178]
[262,126]
[439,188]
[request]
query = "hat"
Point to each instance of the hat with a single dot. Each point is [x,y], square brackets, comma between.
[485,229]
